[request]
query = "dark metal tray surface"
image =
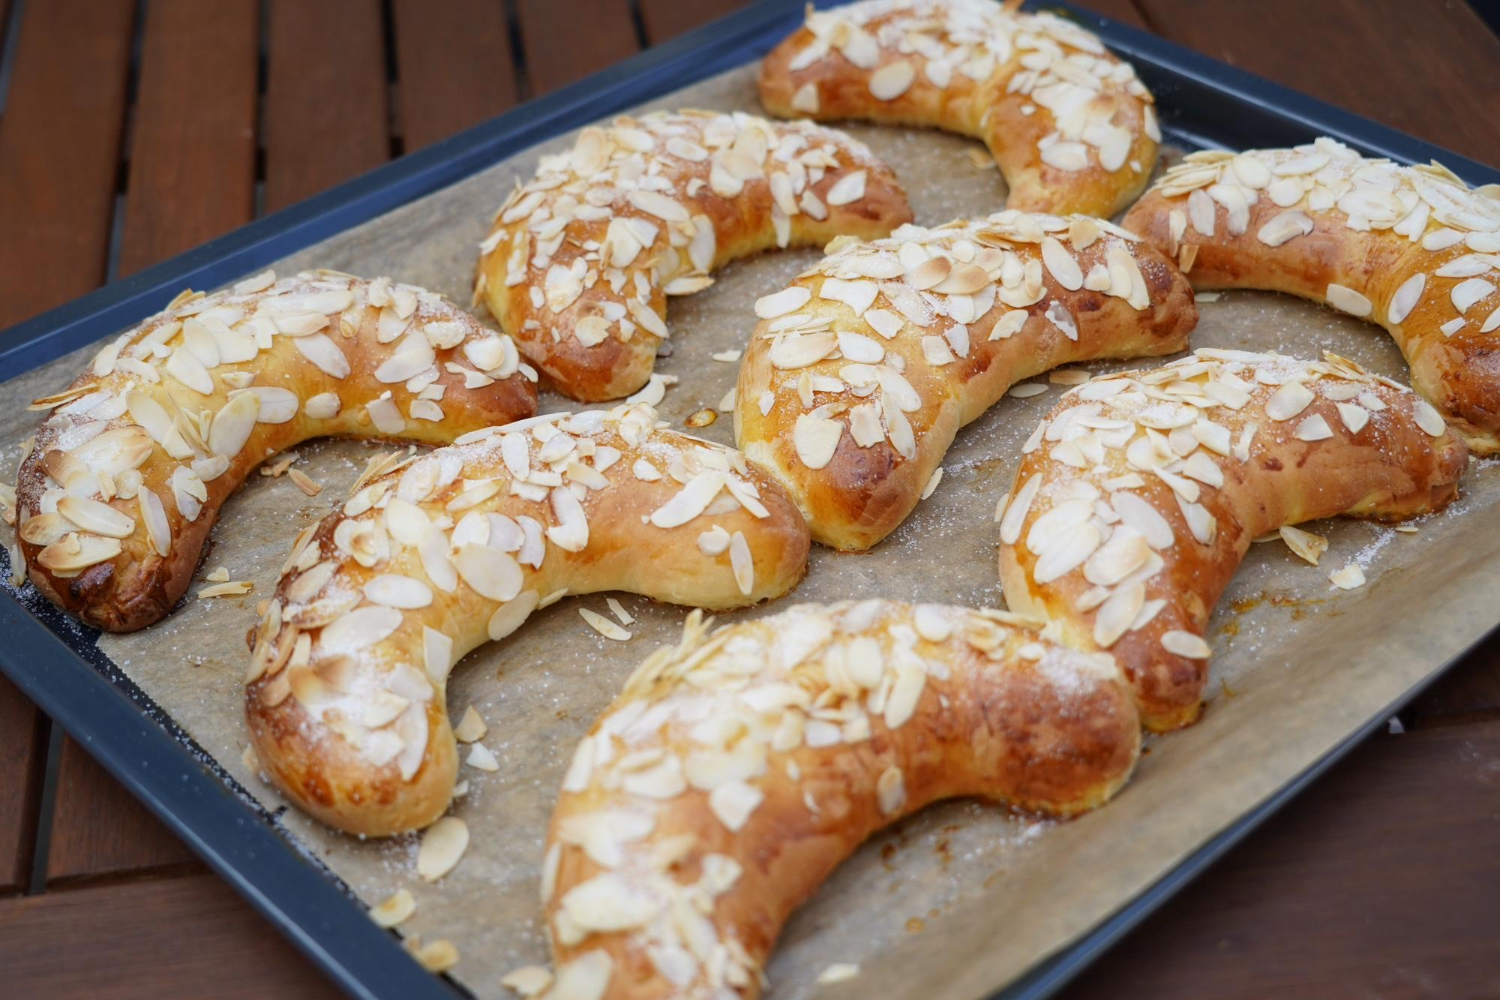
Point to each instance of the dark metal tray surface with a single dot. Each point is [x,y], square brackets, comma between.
[1202,102]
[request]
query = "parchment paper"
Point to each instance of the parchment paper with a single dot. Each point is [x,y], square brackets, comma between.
[963,897]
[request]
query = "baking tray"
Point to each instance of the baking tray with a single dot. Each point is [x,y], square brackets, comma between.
[59,665]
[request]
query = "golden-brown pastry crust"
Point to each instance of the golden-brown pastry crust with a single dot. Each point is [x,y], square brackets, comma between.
[738,769]
[1069,125]
[864,368]
[580,261]
[431,557]
[126,476]
[1140,493]
[1410,248]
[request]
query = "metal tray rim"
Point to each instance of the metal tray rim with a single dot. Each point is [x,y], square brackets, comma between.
[120,726]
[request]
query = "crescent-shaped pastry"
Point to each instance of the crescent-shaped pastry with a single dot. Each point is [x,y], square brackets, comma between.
[864,368]
[1140,493]
[435,555]
[126,476]
[580,261]
[1069,125]
[738,769]
[1411,248]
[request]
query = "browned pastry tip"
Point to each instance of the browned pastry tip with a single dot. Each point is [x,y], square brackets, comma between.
[1141,492]
[1070,126]
[126,475]
[580,261]
[863,369]
[437,554]
[1413,249]
[739,768]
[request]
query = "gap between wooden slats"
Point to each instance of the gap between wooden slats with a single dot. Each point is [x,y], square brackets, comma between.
[454,67]
[664,19]
[566,41]
[178,937]
[191,177]
[59,146]
[1380,881]
[326,115]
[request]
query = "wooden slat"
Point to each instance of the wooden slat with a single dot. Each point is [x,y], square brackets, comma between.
[1382,881]
[59,147]
[1470,690]
[1124,11]
[192,151]
[664,19]
[179,937]
[1438,66]
[99,829]
[326,115]
[192,177]
[453,66]
[566,41]
[4,26]
[21,756]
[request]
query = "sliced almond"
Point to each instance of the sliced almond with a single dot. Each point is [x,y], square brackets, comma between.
[394,909]
[1313,428]
[1428,418]
[1288,401]
[780,303]
[398,591]
[892,80]
[471,728]
[848,188]
[83,552]
[1346,299]
[494,574]
[816,439]
[1350,577]
[1061,264]
[508,617]
[99,518]
[527,981]
[154,517]
[741,563]
[443,844]
[838,972]
[1182,643]
[1304,543]
[604,626]
[434,956]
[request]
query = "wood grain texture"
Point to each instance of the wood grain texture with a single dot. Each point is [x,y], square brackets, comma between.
[1429,69]
[21,758]
[1377,882]
[192,161]
[1124,11]
[326,115]
[1470,691]
[453,67]
[1381,881]
[664,19]
[59,146]
[566,41]
[99,829]
[178,937]
[191,178]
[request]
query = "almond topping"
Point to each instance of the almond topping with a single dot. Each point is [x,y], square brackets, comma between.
[443,844]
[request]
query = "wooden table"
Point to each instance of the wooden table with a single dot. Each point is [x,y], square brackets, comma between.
[132,131]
